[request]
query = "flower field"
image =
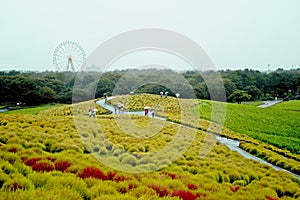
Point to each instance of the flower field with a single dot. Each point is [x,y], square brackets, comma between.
[46,156]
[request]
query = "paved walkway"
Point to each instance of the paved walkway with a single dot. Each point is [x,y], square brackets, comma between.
[269,103]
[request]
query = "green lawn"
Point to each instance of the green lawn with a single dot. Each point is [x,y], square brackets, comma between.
[278,125]
[32,110]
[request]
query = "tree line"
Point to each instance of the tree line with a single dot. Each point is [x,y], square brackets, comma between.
[33,88]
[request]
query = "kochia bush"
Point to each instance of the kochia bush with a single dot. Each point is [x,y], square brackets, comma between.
[92,172]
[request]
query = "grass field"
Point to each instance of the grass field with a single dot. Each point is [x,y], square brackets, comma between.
[278,125]
[32,110]
[45,157]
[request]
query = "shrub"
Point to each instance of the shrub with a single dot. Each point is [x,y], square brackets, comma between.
[37,145]
[18,182]
[39,179]
[14,148]
[233,176]
[117,152]
[62,165]
[10,157]
[146,167]
[58,147]
[108,145]
[51,159]
[240,182]
[31,161]
[22,169]
[235,188]
[173,176]
[3,178]
[185,195]
[43,166]
[48,144]
[160,190]
[133,149]
[103,151]
[102,188]
[69,182]
[164,162]
[6,167]
[191,186]
[145,160]
[129,160]
[270,198]
[119,178]
[92,172]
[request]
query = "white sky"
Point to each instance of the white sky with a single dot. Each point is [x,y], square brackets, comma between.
[234,33]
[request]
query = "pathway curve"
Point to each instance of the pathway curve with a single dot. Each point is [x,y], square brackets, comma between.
[269,103]
[231,144]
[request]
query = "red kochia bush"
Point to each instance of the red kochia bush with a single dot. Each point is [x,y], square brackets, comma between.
[23,158]
[43,167]
[131,186]
[122,190]
[234,188]
[13,150]
[119,178]
[92,172]
[14,187]
[161,191]
[185,195]
[270,198]
[111,175]
[62,165]
[173,176]
[31,161]
[192,186]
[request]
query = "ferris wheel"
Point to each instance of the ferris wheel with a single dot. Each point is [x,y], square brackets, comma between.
[69,56]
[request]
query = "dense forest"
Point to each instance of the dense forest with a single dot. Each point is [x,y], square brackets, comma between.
[33,88]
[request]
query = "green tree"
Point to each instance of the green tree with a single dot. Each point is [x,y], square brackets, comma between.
[239,96]
[253,91]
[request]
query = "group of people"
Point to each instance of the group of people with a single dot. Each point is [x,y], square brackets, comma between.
[92,112]
[162,94]
[147,111]
[120,107]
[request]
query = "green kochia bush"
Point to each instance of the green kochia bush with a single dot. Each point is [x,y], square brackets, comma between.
[68,182]
[130,160]
[39,179]
[10,157]
[6,167]
[18,182]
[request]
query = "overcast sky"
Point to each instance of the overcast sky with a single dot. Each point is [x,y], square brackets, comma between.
[234,33]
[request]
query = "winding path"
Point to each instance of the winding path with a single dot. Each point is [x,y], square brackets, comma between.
[269,103]
[231,144]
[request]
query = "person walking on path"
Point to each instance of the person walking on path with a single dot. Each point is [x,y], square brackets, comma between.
[90,112]
[105,97]
[146,112]
[153,113]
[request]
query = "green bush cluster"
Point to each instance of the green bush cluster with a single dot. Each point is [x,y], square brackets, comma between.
[271,157]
